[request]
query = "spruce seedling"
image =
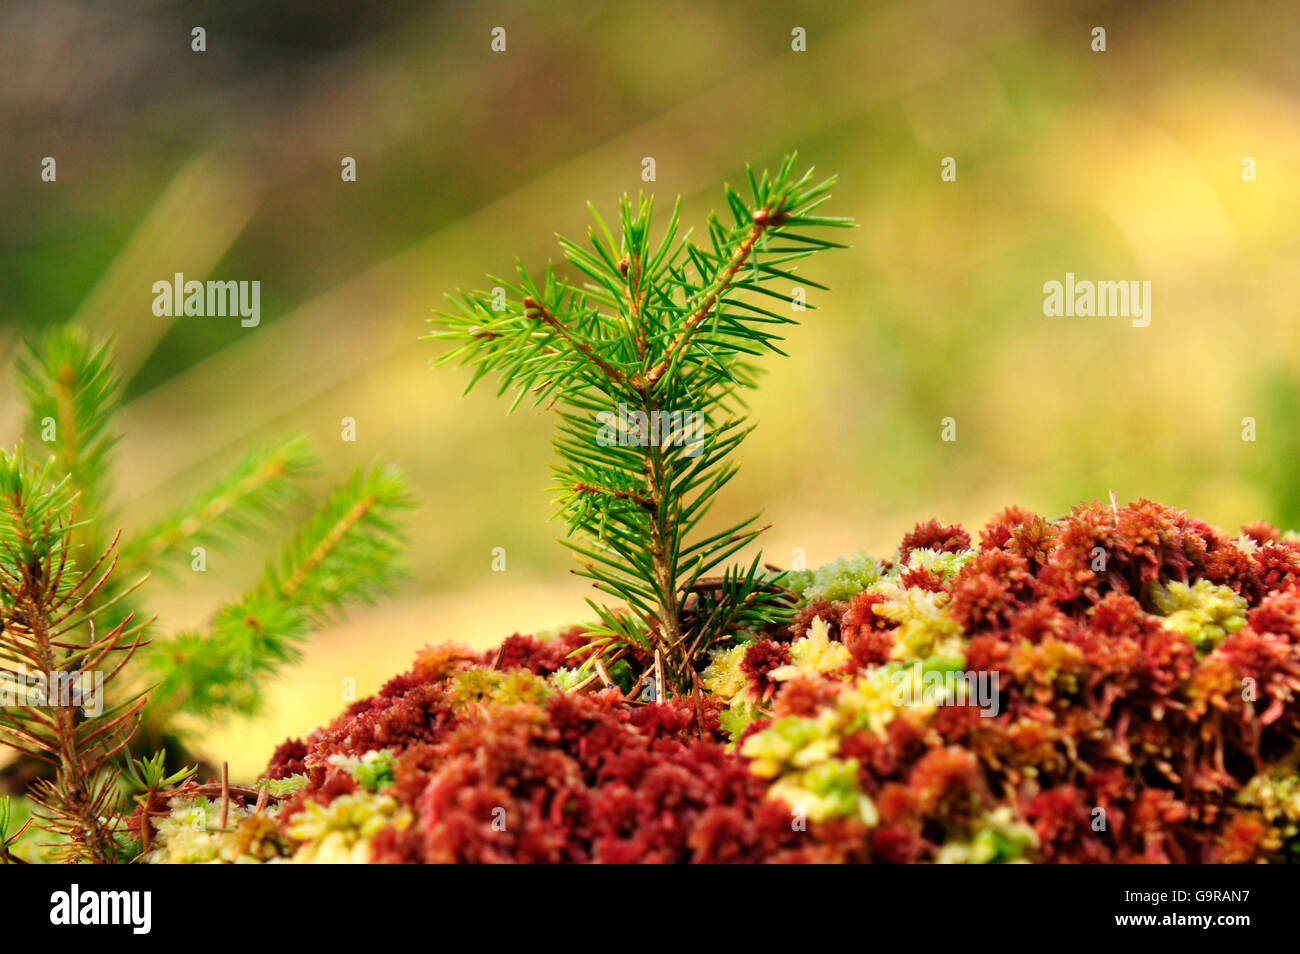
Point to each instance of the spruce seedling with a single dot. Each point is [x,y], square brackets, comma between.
[70,593]
[48,600]
[646,361]
[348,552]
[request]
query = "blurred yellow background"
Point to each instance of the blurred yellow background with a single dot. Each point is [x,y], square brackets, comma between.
[1116,165]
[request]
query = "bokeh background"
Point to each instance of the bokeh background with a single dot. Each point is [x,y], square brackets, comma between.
[1117,165]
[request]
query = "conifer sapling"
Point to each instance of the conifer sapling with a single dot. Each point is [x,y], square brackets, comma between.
[659,335]
[69,595]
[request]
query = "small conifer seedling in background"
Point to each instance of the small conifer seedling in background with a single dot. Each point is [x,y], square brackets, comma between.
[646,359]
[70,588]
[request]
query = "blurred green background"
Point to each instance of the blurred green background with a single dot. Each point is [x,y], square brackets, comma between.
[1117,165]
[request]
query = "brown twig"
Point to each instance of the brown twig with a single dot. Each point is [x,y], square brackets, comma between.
[585,683]
[645,503]
[225,795]
[697,696]
[535,309]
[763,219]
[191,790]
[631,693]
[633,302]
[8,856]
[146,830]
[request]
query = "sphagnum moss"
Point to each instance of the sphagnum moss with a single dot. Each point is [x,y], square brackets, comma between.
[1116,732]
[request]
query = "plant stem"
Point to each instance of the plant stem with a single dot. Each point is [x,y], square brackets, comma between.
[762,220]
[676,657]
[663,554]
[78,799]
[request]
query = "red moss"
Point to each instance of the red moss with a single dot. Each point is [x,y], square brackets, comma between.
[1232,567]
[922,578]
[1278,565]
[761,657]
[1034,540]
[804,696]
[830,611]
[287,759]
[1261,532]
[1277,613]
[990,590]
[997,532]
[1114,739]
[1243,840]
[1101,550]
[869,636]
[932,535]
[1063,820]
[540,656]
[437,662]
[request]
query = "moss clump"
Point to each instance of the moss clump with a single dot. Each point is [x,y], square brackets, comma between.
[967,704]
